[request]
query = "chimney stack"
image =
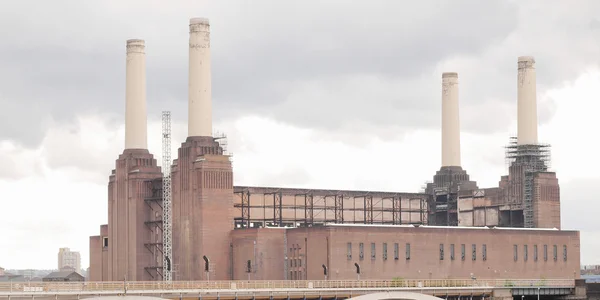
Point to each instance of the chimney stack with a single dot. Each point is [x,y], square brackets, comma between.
[200,106]
[526,102]
[450,121]
[135,96]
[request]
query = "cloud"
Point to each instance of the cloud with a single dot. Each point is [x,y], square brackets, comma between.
[18,162]
[65,73]
[380,61]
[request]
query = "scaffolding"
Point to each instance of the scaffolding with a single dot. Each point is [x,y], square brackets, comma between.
[525,161]
[443,202]
[221,138]
[155,226]
[166,196]
[281,207]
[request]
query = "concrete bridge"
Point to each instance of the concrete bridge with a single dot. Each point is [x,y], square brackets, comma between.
[290,289]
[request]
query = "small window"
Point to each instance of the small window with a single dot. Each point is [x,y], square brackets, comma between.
[105,241]
[474,252]
[384,251]
[564,252]
[525,254]
[407,251]
[441,251]
[516,252]
[555,252]
[349,251]
[462,250]
[535,253]
[396,251]
[484,252]
[372,251]
[361,251]
[545,252]
[451,251]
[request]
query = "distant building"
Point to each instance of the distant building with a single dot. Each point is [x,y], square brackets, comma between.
[590,270]
[9,277]
[68,258]
[64,276]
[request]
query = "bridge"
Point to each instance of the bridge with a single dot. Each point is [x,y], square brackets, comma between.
[289,289]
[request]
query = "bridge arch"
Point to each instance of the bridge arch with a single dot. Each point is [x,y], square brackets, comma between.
[395,296]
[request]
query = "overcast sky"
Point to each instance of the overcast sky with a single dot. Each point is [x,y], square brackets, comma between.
[321,94]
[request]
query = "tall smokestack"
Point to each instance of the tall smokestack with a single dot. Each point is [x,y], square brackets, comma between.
[200,106]
[135,96]
[450,121]
[526,102]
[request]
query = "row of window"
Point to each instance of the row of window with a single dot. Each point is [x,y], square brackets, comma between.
[361,252]
[463,252]
[535,252]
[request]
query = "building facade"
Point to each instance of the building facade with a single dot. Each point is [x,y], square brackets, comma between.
[220,232]
[404,251]
[69,259]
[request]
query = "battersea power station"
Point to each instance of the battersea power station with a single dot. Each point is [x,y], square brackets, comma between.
[188,221]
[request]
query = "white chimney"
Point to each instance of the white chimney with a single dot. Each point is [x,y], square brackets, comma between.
[526,102]
[135,96]
[450,121]
[200,106]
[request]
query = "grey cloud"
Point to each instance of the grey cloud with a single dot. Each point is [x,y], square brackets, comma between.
[66,61]
[298,65]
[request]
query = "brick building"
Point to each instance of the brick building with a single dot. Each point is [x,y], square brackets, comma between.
[214,221]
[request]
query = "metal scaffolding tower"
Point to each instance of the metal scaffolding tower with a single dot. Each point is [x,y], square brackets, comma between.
[166,189]
[530,159]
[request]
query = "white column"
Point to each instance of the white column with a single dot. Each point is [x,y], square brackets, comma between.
[526,102]
[200,106]
[450,120]
[135,96]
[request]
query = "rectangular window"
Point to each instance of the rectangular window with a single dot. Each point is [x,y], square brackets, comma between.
[564,252]
[384,251]
[349,251]
[555,252]
[396,251]
[462,250]
[535,253]
[372,251]
[361,251]
[441,251]
[451,251]
[545,252]
[484,252]
[105,241]
[516,252]
[407,251]
[525,252]
[474,252]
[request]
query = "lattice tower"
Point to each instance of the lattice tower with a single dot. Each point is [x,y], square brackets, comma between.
[166,189]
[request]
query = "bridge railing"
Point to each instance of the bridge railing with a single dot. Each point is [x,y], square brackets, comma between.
[34,287]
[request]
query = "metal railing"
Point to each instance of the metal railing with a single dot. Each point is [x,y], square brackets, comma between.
[149,286]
